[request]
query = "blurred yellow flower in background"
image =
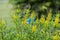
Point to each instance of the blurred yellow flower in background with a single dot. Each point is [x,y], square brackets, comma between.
[24,22]
[32,14]
[55,37]
[42,19]
[49,17]
[57,20]
[14,17]
[46,23]
[34,28]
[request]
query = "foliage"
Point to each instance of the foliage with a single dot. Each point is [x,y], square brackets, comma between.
[26,24]
[39,6]
[41,29]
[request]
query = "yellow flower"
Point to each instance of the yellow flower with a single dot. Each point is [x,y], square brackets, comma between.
[55,37]
[49,16]
[32,14]
[24,22]
[42,20]
[46,23]
[34,28]
[56,20]
[14,17]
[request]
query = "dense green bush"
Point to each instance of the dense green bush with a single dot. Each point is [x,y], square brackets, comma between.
[41,29]
[25,24]
[39,6]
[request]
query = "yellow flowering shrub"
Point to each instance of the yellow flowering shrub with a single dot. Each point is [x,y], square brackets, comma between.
[34,28]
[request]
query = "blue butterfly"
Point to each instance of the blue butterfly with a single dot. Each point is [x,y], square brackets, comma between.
[30,20]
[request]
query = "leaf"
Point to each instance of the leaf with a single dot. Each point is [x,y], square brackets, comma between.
[48,4]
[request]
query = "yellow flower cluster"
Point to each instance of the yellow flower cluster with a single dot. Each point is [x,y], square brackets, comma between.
[34,28]
[57,20]
[14,17]
[42,20]
[49,16]
[32,14]
[46,23]
[24,22]
[55,37]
